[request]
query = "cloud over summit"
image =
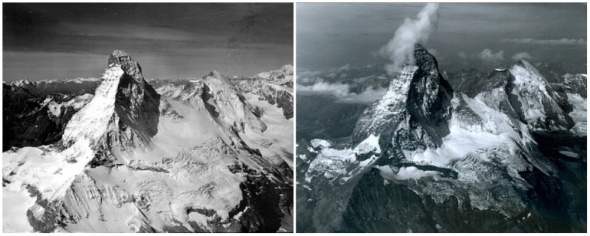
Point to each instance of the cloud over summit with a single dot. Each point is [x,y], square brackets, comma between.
[400,49]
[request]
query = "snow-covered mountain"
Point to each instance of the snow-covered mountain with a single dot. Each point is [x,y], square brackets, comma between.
[186,156]
[35,113]
[426,158]
[275,87]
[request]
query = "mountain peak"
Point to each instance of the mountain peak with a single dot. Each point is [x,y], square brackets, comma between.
[424,59]
[22,82]
[124,111]
[217,75]
[130,66]
[287,69]
[419,47]
[418,96]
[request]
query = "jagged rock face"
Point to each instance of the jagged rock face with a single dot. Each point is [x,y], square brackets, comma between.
[199,158]
[534,99]
[135,97]
[429,96]
[221,96]
[524,93]
[274,95]
[131,67]
[419,96]
[445,162]
[576,84]
[35,113]
[275,87]
[472,82]
[215,94]
[125,112]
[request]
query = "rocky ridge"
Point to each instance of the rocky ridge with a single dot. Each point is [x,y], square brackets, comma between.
[131,160]
[465,163]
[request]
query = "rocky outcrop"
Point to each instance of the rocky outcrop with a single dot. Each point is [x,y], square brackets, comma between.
[274,87]
[196,159]
[35,115]
[124,112]
[576,84]
[536,102]
[497,156]
[419,98]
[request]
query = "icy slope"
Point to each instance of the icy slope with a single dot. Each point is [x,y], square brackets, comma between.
[36,114]
[536,102]
[125,166]
[258,122]
[275,87]
[419,96]
[448,162]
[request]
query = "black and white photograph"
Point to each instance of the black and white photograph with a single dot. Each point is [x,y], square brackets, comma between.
[441,117]
[147,117]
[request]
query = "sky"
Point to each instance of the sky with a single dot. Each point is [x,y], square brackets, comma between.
[478,35]
[180,40]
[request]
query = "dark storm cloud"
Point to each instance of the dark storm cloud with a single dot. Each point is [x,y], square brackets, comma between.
[330,35]
[46,41]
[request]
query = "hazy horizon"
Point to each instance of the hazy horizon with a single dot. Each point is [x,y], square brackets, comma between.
[466,35]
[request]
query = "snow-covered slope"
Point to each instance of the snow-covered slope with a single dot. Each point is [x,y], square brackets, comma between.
[275,87]
[535,100]
[134,161]
[479,158]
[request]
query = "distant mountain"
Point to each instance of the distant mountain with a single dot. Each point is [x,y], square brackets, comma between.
[35,113]
[485,152]
[132,155]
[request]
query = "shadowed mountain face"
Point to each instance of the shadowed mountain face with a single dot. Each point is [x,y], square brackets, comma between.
[485,152]
[121,154]
[35,113]
[420,97]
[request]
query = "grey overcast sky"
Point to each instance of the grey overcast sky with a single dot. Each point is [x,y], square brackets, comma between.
[59,40]
[331,35]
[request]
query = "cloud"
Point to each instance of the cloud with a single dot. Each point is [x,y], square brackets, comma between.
[370,95]
[309,73]
[400,49]
[412,172]
[360,80]
[342,92]
[309,77]
[344,68]
[563,41]
[491,58]
[462,55]
[435,53]
[521,55]
[337,89]
[308,80]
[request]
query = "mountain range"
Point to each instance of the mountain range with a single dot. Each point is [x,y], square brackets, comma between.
[503,151]
[125,154]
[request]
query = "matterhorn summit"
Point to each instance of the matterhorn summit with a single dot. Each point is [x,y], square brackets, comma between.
[418,96]
[126,155]
[488,156]
[124,111]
